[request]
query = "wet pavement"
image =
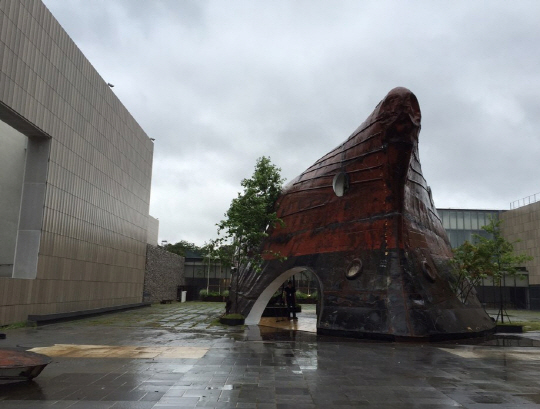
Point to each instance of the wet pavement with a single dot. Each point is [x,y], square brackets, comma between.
[177,356]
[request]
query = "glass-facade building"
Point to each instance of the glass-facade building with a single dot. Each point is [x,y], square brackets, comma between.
[462,224]
[201,274]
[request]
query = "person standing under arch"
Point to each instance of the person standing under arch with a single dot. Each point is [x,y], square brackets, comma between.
[290,298]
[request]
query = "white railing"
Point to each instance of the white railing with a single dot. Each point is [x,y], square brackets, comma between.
[525,201]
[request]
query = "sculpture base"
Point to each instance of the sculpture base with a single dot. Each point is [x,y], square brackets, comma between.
[394,338]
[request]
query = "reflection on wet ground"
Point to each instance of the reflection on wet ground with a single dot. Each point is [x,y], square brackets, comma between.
[281,328]
[304,324]
[269,333]
[503,340]
[176,356]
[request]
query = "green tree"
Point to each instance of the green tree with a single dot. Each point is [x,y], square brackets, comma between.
[182,246]
[492,256]
[468,268]
[249,217]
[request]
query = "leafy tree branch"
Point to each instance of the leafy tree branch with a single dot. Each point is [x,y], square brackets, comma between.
[250,215]
[181,247]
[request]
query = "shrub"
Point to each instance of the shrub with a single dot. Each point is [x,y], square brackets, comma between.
[204,293]
[234,316]
[303,296]
[300,295]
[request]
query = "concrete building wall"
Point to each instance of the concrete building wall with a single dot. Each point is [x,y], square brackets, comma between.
[523,224]
[153,231]
[82,232]
[164,273]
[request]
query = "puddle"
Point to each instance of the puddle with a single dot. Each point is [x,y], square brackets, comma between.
[277,335]
[502,340]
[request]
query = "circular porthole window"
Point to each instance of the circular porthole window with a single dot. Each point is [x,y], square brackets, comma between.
[428,272]
[355,269]
[340,184]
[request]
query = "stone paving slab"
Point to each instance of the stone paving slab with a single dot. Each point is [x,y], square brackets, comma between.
[107,351]
[262,367]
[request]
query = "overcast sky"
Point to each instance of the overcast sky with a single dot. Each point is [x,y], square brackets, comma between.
[220,83]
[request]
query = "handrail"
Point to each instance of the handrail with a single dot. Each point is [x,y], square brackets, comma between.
[525,201]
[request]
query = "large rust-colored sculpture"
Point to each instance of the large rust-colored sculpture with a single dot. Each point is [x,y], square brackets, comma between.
[362,219]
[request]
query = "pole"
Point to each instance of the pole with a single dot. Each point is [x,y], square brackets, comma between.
[237,270]
[501,301]
[236,292]
[208,277]
[220,276]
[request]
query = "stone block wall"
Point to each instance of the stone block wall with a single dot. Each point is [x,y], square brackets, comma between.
[164,273]
[523,224]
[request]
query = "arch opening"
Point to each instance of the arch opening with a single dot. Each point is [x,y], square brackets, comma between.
[254,316]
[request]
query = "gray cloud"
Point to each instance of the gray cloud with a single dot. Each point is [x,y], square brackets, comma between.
[219,84]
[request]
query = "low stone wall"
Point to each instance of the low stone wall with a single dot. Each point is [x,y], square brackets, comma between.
[164,273]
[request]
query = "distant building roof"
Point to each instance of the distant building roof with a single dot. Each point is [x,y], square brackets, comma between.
[193,255]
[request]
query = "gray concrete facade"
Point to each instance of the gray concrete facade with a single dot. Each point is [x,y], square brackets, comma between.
[153,231]
[84,191]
